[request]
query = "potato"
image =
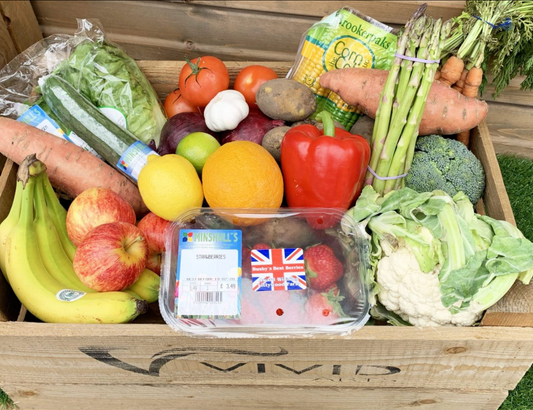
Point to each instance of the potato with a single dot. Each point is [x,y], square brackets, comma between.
[272,141]
[282,233]
[364,127]
[285,99]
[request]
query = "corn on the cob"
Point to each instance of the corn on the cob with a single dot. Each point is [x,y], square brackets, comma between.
[310,66]
[340,110]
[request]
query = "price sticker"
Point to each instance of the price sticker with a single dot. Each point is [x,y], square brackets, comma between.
[208,280]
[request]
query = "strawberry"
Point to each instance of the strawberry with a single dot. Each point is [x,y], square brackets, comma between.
[322,267]
[261,246]
[324,308]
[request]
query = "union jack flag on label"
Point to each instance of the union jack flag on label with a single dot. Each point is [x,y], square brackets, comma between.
[278,269]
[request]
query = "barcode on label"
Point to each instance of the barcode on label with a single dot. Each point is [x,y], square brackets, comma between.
[208,297]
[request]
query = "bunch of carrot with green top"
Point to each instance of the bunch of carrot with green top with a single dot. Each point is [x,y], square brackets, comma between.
[495,36]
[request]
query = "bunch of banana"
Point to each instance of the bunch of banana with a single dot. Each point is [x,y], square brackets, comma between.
[36,258]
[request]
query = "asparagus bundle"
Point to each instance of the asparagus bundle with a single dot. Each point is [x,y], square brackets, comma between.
[403,100]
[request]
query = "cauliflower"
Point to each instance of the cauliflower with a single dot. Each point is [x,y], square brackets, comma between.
[415,295]
[434,261]
[448,165]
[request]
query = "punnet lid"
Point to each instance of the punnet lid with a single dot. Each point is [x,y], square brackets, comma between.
[257,272]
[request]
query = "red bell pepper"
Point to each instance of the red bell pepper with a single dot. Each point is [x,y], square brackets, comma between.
[323,169]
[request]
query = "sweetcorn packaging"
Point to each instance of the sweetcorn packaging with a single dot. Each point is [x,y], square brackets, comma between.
[346,38]
[246,273]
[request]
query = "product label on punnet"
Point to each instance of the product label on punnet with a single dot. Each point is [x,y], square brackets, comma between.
[69,295]
[278,269]
[134,159]
[36,117]
[208,279]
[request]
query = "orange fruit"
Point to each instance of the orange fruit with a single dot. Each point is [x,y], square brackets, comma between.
[242,174]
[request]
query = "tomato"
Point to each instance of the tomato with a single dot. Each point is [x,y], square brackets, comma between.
[176,103]
[250,79]
[203,78]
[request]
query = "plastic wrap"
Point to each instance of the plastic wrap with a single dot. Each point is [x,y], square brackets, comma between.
[346,38]
[219,278]
[98,69]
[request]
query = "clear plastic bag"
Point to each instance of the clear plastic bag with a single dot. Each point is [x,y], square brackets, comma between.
[220,278]
[98,69]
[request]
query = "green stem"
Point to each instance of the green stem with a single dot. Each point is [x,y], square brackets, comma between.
[26,212]
[327,120]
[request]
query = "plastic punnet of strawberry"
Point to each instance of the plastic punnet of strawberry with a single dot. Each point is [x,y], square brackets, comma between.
[295,279]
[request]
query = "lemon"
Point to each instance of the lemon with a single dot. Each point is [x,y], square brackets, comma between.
[169,185]
[197,147]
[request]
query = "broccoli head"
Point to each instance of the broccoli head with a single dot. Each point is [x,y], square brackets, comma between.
[448,165]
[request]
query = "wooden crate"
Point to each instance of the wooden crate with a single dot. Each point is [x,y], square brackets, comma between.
[147,365]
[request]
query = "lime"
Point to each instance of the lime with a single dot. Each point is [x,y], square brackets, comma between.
[197,147]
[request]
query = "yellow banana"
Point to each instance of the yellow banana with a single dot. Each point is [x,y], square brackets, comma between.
[54,257]
[8,224]
[58,215]
[45,297]
[147,286]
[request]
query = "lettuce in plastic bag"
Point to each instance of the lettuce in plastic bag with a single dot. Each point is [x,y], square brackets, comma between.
[98,69]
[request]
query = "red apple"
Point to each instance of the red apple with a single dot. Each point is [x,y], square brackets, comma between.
[154,229]
[111,257]
[94,207]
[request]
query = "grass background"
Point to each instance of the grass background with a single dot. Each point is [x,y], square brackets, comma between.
[518,177]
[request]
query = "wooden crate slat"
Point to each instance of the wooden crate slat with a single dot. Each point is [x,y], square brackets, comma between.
[8,50]
[171,397]
[390,12]
[510,128]
[23,26]
[495,197]
[511,95]
[182,30]
[374,357]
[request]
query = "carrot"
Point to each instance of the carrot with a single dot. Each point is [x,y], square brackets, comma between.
[447,112]
[472,82]
[437,75]
[461,82]
[451,70]
[71,169]
[464,137]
